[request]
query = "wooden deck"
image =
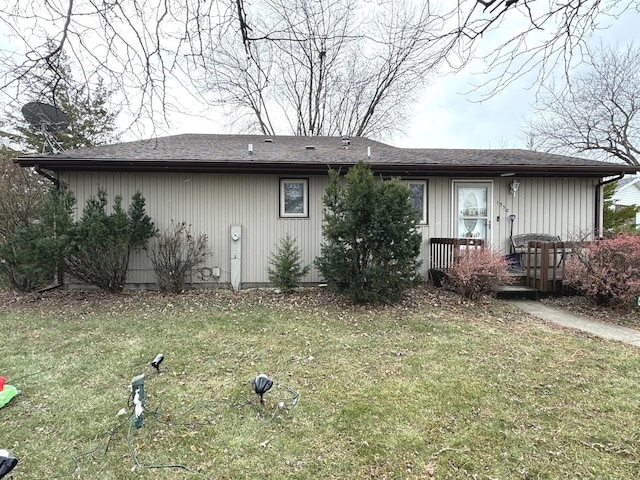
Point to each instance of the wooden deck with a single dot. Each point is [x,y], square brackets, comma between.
[540,271]
[531,284]
[544,264]
[445,252]
[516,291]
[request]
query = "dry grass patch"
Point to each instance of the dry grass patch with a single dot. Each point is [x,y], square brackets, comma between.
[431,388]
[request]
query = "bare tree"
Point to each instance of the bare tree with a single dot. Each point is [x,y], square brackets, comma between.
[144,48]
[599,113]
[524,38]
[333,70]
[21,195]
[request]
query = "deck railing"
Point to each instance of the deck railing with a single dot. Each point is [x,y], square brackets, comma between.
[444,252]
[544,264]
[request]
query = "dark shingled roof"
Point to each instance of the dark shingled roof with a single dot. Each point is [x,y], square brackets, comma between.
[290,154]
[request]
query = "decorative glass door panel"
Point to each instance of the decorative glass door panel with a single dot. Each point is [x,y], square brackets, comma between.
[472,207]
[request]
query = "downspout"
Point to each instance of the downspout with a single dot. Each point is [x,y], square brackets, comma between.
[56,184]
[44,174]
[598,187]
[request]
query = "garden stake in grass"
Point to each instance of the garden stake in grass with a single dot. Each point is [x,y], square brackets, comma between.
[261,385]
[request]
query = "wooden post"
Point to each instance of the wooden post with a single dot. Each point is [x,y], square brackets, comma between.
[544,265]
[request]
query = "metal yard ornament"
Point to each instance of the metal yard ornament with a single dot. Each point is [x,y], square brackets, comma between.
[261,385]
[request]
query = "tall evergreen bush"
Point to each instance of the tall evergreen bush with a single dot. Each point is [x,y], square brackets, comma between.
[31,251]
[371,244]
[100,244]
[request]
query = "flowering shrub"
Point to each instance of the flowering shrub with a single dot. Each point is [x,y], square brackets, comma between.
[477,271]
[607,272]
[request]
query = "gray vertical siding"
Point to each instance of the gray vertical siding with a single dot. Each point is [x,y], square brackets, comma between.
[211,203]
[557,206]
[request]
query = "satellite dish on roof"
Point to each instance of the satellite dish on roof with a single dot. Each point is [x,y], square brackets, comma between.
[45,116]
[47,119]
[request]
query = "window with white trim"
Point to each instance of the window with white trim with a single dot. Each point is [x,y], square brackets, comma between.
[418,197]
[294,197]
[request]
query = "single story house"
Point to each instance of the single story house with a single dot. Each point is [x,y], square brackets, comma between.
[627,193]
[245,192]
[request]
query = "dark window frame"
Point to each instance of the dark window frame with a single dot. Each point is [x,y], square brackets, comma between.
[425,200]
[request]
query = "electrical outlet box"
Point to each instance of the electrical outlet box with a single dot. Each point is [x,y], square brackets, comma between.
[137,386]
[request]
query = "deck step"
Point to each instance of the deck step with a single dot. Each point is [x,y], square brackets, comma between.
[518,277]
[515,291]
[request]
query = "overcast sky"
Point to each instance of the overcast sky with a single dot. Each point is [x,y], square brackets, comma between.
[447,118]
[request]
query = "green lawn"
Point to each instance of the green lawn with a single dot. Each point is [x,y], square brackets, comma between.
[432,388]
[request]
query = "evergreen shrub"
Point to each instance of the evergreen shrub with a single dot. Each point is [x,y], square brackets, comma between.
[31,249]
[371,243]
[286,270]
[100,244]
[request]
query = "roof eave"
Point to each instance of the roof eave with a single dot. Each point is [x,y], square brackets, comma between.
[60,164]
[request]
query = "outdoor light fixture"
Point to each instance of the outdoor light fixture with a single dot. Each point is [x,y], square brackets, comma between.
[137,388]
[513,187]
[139,397]
[261,385]
[157,361]
[7,462]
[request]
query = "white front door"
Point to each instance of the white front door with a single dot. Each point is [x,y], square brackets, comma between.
[472,210]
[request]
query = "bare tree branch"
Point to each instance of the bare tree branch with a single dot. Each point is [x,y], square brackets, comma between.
[334,68]
[600,113]
[144,49]
[549,34]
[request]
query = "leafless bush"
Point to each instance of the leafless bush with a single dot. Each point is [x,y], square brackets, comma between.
[175,253]
[477,272]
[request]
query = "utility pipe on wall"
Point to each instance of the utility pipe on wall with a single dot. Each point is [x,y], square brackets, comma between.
[44,174]
[598,217]
[56,184]
[236,257]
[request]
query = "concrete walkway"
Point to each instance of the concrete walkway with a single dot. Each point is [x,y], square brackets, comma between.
[579,322]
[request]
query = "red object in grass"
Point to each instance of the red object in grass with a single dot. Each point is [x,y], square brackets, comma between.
[2,379]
